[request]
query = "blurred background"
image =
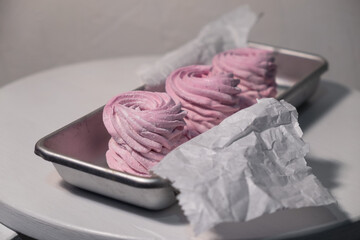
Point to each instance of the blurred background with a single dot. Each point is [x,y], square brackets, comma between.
[41,34]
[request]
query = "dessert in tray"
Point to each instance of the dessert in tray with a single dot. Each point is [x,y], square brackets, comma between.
[297,77]
[145,126]
[255,68]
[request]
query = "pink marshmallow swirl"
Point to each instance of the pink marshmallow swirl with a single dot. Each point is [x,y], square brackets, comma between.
[144,127]
[207,99]
[254,67]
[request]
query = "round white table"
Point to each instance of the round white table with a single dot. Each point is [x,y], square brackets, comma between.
[35,201]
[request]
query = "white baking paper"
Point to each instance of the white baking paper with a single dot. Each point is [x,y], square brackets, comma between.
[251,164]
[229,31]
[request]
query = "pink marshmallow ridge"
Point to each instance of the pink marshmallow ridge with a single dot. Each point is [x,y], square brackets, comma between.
[255,68]
[144,127]
[208,99]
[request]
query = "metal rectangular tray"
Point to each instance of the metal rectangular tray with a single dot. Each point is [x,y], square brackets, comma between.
[78,149]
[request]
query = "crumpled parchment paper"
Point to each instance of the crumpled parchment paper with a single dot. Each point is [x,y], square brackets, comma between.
[251,164]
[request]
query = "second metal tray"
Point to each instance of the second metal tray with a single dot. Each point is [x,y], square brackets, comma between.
[78,149]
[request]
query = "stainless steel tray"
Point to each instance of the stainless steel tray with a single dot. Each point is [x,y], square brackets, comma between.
[78,149]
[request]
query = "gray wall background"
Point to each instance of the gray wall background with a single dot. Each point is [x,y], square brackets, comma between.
[41,34]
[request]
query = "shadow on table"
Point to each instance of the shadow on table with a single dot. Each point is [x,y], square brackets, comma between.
[326,170]
[327,96]
[280,223]
[171,215]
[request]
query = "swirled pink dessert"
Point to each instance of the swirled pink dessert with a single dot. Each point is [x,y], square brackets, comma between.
[207,99]
[254,67]
[144,127]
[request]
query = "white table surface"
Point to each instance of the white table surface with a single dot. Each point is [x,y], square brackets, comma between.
[36,202]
